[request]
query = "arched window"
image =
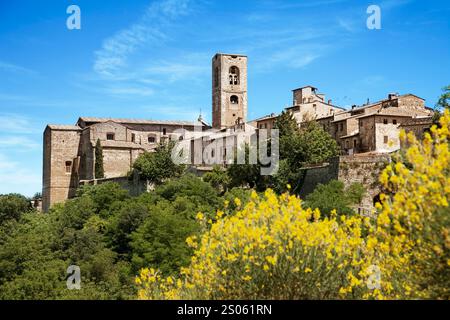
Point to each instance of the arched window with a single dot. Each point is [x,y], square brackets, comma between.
[234,99]
[151,138]
[234,75]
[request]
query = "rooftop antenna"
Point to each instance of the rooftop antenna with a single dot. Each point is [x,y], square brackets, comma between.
[200,118]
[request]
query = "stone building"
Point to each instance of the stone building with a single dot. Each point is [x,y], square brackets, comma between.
[229,90]
[69,150]
[373,127]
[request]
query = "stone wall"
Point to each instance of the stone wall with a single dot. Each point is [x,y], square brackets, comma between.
[365,170]
[134,186]
[348,169]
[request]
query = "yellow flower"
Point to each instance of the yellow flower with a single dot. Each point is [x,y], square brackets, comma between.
[200,216]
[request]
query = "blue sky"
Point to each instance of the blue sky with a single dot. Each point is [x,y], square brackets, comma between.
[151,59]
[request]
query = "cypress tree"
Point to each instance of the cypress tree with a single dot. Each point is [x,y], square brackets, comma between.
[99,171]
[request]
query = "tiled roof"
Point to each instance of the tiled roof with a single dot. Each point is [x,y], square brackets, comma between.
[63,127]
[139,121]
[269,116]
[124,144]
[417,121]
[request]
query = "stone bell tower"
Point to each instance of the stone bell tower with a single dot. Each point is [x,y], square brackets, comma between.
[229,90]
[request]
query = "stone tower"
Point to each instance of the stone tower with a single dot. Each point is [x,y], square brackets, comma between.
[229,90]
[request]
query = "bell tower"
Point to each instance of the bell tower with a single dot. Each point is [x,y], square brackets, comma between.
[229,90]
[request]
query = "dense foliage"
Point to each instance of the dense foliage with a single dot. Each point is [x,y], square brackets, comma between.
[299,147]
[334,196]
[196,239]
[158,166]
[12,206]
[275,248]
[104,231]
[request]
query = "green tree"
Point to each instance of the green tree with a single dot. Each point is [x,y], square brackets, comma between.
[12,206]
[103,196]
[161,239]
[333,195]
[301,147]
[218,178]
[444,100]
[442,104]
[99,170]
[200,193]
[318,146]
[247,175]
[158,166]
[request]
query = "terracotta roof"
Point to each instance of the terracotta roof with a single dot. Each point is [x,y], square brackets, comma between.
[269,116]
[416,121]
[123,144]
[349,135]
[140,121]
[63,127]
[304,87]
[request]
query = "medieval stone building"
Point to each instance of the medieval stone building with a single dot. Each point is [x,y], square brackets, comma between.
[373,127]
[69,150]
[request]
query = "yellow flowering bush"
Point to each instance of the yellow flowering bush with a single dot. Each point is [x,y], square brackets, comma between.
[273,248]
[414,218]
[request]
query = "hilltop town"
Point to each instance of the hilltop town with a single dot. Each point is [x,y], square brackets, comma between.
[363,133]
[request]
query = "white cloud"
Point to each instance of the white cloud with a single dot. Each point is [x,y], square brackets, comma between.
[130,91]
[9,67]
[346,24]
[17,178]
[15,123]
[17,143]
[115,50]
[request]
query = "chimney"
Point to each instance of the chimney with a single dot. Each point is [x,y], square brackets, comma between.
[329,101]
[392,95]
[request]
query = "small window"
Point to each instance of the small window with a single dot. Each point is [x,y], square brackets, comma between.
[394,121]
[180,138]
[133,137]
[68,166]
[110,136]
[385,121]
[234,75]
[354,143]
[151,139]
[212,153]
[234,99]
[341,127]
[385,139]
[164,131]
